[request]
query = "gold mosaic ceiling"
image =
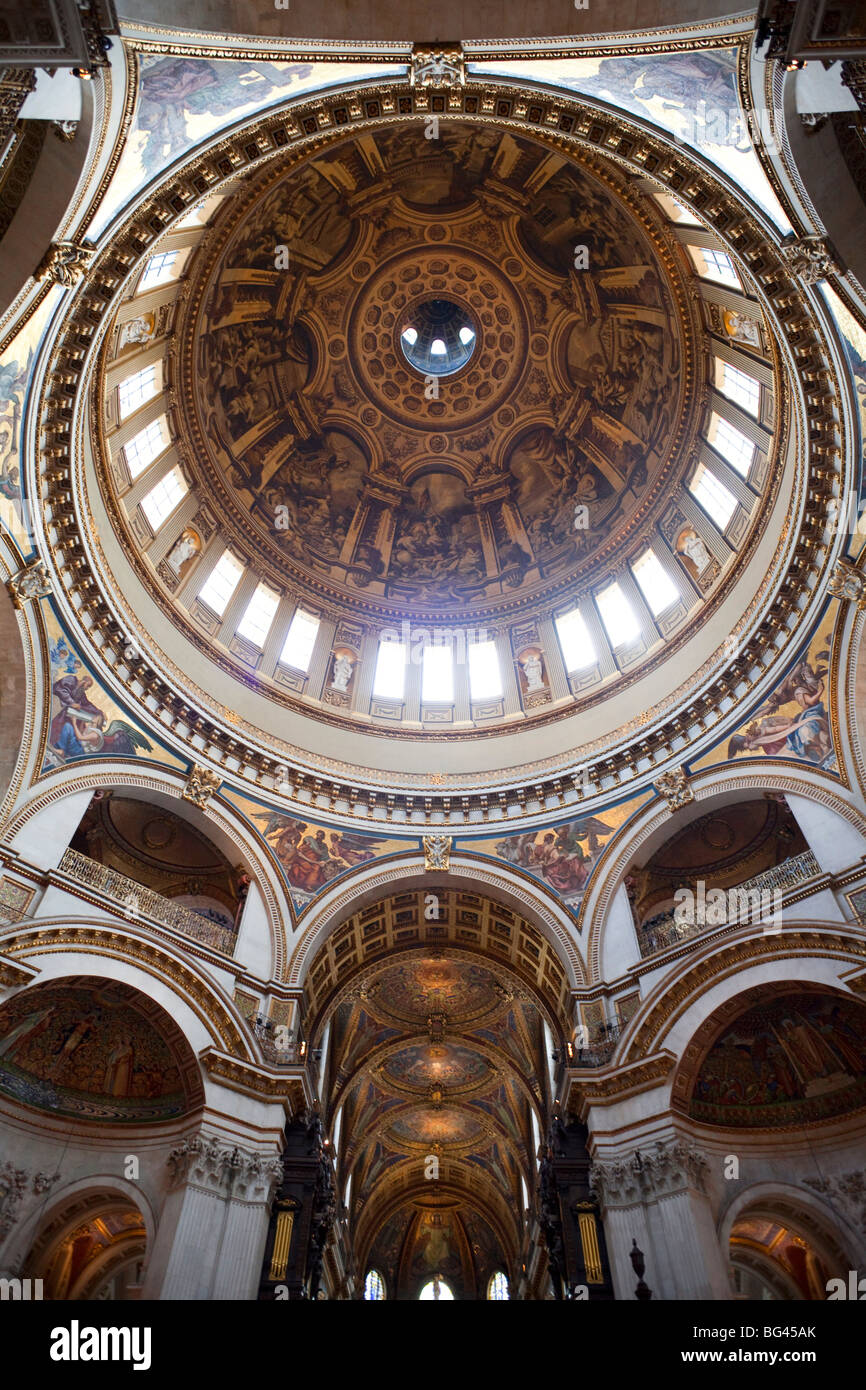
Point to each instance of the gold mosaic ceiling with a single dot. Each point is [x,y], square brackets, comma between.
[337,466]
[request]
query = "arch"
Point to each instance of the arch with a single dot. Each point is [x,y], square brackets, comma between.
[197,1003]
[654,822]
[469,871]
[219,818]
[812,953]
[839,1239]
[72,1197]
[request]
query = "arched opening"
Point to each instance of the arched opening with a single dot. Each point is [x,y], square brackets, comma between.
[778,1258]
[374,1287]
[439,1028]
[498,1288]
[724,866]
[159,864]
[92,1249]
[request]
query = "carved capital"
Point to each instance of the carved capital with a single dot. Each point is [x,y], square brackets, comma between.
[645,1176]
[201,785]
[847,1192]
[224,1171]
[673,785]
[15,1183]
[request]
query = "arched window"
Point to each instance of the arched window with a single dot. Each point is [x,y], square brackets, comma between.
[498,1286]
[437,1289]
[374,1285]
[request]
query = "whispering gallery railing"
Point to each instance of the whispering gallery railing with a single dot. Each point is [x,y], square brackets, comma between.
[139,901]
[665,930]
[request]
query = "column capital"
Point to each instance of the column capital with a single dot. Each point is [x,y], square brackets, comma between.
[224,1170]
[646,1175]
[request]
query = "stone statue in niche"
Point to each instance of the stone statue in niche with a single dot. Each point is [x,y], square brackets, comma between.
[533,670]
[183,550]
[742,329]
[693,549]
[343,667]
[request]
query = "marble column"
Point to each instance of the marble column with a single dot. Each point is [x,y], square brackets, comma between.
[214,1223]
[658,1197]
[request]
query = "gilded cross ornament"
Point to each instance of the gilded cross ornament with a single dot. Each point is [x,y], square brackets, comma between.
[673,785]
[201,785]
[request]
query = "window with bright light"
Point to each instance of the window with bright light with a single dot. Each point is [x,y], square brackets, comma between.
[136,389]
[374,1286]
[732,444]
[161,501]
[497,1289]
[298,647]
[256,622]
[146,446]
[390,677]
[219,587]
[740,388]
[575,641]
[617,615]
[438,348]
[715,265]
[438,1290]
[159,270]
[437,674]
[713,496]
[485,678]
[656,585]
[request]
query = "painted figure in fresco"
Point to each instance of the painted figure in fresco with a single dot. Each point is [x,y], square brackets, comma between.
[119,1069]
[807,735]
[75,1038]
[30,1027]
[172,89]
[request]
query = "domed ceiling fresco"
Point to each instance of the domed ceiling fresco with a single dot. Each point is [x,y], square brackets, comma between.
[362,477]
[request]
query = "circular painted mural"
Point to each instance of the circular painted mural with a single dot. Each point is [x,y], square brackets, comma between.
[89,1053]
[451,1065]
[417,988]
[424,1125]
[464,374]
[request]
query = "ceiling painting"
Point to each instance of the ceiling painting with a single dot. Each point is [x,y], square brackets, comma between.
[16,363]
[313,422]
[794,1060]
[87,722]
[693,95]
[311,854]
[93,1053]
[795,720]
[562,856]
[182,100]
